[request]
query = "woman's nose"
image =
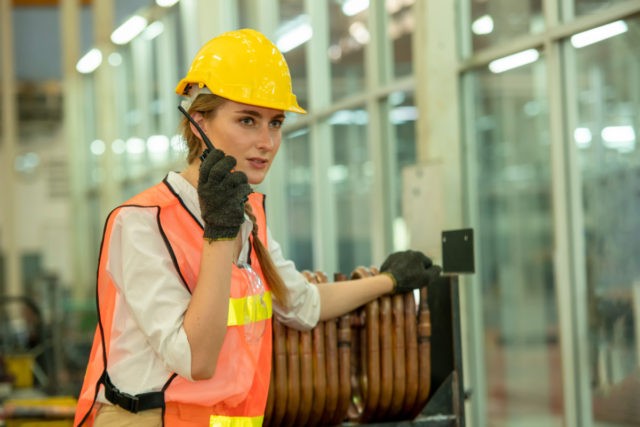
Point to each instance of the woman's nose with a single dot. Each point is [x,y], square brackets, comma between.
[266,139]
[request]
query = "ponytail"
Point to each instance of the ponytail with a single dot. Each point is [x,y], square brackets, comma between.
[276,284]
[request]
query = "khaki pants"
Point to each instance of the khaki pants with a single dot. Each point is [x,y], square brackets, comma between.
[115,416]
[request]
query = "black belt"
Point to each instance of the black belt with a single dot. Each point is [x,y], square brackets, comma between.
[131,403]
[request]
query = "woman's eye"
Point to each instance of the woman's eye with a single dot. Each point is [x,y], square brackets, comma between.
[276,124]
[247,120]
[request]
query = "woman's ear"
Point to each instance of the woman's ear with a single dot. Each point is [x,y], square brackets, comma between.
[198,118]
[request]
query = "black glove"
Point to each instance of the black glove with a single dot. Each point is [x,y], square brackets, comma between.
[410,270]
[222,194]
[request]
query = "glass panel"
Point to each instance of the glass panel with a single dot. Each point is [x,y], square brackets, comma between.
[512,184]
[347,36]
[135,156]
[584,7]
[246,16]
[497,21]
[402,116]
[297,153]
[607,103]
[400,28]
[94,148]
[351,175]
[293,32]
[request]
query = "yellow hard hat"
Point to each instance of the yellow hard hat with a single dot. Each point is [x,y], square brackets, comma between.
[243,66]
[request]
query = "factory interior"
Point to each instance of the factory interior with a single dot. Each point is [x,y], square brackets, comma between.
[511,124]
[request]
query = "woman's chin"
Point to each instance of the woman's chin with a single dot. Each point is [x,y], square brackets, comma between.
[256,178]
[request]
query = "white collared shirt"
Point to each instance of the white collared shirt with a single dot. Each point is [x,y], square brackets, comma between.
[148,340]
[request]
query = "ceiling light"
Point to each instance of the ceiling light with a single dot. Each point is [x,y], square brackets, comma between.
[359,32]
[154,30]
[166,3]
[582,136]
[353,7]
[129,30]
[294,33]
[598,34]
[90,61]
[621,138]
[514,61]
[482,25]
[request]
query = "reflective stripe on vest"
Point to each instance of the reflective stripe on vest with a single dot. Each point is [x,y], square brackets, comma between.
[221,421]
[250,309]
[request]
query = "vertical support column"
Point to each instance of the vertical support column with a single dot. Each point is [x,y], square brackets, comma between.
[325,238]
[569,259]
[8,236]
[105,105]
[82,274]
[380,134]
[210,18]
[265,17]
[438,130]
[215,17]
[435,56]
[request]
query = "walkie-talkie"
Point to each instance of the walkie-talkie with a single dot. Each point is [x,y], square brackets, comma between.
[205,138]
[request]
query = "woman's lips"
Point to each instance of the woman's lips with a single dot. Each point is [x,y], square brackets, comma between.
[258,163]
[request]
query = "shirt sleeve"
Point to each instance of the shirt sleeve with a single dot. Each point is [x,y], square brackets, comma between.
[304,310]
[152,297]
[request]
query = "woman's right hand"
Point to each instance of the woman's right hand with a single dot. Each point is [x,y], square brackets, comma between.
[222,192]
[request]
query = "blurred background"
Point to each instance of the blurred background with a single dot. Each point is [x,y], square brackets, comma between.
[518,118]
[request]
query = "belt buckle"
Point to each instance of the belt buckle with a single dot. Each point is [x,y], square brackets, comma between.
[132,402]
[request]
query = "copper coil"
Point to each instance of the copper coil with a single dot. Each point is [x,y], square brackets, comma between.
[331,359]
[344,364]
[367,371]
[319,377]
[293,377]
[280,373]
[386,359]
[399,361]
[372,364]
[424,354]
[411,354]
[306,379]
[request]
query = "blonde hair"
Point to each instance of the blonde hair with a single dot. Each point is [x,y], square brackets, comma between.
[207,105]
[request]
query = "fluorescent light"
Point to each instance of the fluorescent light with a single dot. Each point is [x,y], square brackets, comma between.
[129,30]
[514,61]
[177,144]
[118,146]
[135,145]
[595,35]
[294,33]
[90,61]
[114,59]
[359,32]
[166,3]
[621,138]
[353,7]
[583,137]
[158,144]
[482,25]
[97,147]
[154,30]
[404,114]
[338,173]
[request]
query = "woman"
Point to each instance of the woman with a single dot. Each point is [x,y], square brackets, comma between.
[189,275]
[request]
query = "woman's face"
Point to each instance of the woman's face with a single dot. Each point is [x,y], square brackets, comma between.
[250,134]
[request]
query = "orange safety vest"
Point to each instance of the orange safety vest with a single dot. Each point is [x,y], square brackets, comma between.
[236,395]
